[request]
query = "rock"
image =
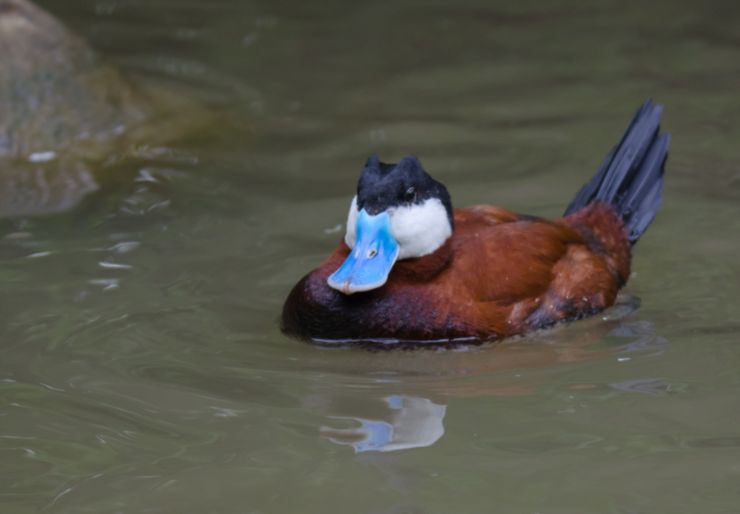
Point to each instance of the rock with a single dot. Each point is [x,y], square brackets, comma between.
[60,109]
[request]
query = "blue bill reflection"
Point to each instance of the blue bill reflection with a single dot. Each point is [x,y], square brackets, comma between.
[413,422]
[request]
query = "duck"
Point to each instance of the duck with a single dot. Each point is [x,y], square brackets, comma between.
[413,269]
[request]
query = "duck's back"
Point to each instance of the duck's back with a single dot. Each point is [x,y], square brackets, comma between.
[525,273]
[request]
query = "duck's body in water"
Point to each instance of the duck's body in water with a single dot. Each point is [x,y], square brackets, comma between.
[413,269]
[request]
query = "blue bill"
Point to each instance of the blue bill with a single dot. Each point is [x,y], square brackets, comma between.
[372,258]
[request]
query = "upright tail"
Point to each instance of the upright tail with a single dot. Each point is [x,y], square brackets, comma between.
[631,177]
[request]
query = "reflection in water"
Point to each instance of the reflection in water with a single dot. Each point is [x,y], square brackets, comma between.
[415,423]
[414,419]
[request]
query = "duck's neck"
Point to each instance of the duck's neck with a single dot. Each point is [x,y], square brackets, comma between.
[426,267]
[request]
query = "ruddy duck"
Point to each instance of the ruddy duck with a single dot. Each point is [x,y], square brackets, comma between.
[413,269]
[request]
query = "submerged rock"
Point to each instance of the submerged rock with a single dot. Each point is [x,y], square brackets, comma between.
[60,109]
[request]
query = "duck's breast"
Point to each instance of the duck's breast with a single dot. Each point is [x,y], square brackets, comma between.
[407,307]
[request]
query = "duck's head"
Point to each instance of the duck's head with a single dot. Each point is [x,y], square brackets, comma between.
[399,212]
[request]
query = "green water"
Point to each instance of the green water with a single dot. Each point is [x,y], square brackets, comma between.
[142,369]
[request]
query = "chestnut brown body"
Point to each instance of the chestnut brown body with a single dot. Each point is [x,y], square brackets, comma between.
[500,274]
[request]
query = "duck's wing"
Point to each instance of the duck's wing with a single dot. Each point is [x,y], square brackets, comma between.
[526,273]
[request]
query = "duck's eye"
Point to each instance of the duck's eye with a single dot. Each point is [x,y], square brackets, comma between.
[410,194]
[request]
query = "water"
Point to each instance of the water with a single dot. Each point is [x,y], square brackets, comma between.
[142,366]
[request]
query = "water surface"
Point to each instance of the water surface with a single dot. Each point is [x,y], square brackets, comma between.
[142,365]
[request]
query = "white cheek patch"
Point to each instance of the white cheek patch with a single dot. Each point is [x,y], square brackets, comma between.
[351,235]
[418,229]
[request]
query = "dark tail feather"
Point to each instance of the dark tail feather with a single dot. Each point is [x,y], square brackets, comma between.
[631,177]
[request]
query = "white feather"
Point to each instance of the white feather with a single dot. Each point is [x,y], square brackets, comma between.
[351,235]
[419,229]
